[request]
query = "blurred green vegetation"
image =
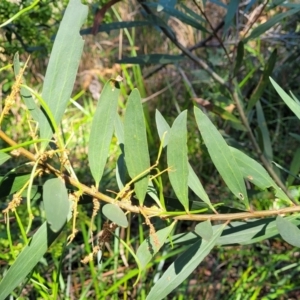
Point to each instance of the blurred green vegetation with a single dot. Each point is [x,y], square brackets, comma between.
[267,270]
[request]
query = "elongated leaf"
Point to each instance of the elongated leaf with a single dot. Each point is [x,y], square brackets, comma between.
[152,244]
[197,187]
[191,12]
[119,130]
[183,266]
[56,203]
[115,214]
[290,102]
[294,167]
[193,181]
[221,156]
[136,145]
[205,230]
[239,57]
[243,233]
[162,127]
[102,129]
[27,259]
[172,11]
[120,25]
[26,95]
[231,11]
[258,31]
[263,81]
[12,182]
[3,158]
[63,65]
[268,151]
[151,59]
[121,172]
[255,173]
[177,157]
[288,231]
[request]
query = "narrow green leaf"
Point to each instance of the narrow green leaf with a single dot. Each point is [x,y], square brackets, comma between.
[183,266]
[4,157]
[191,12]
[102,129]
[173,12]
[12,182]
[152,244]
[162,127]
[221,156]
[136,145]
[121,172]
[294,167]
[193,181]
[115,214]
[205,230]
[290,102]
[232,7]
[255,173]
[177,157]
[288,231]
[27,259]
[239,57]
[63,65]
[56,203]
[263,82]
[262,124]
[258,31]
[121,25]
[25,94]
[197,187]
[119,130]
[151,59]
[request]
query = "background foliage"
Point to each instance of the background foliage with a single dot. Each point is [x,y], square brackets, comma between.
[216,56]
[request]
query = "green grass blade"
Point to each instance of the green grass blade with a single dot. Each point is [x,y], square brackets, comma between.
[27,259]
[221,156]
[21,12]
[177,157]
[136,145]
[262,124]
[56,203]
[63,65]
[102,129]
[290,102]
[183,266]
[294,167]
[263,82]
[239,57]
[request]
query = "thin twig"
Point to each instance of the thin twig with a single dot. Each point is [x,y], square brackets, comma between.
[148,211]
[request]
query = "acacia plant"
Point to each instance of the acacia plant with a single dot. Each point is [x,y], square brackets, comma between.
[49,162]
